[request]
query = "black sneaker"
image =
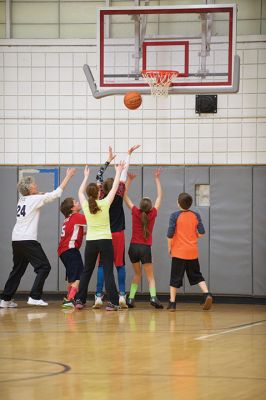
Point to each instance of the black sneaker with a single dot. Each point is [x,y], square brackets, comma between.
[79,305]
[130,302]
[171,306]
[112,307]
[207,301]
[155,302]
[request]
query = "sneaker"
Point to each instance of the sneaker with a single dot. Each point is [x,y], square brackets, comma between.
[122,301]
[130,303]
[112,307]
[8,304]
[68,303]
[79,305]
[208,300]
[98,302]
[155,302]
[33,302]
[171,306]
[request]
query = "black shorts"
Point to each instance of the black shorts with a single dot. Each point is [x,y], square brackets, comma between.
[140,252]
[192,268]
[73,263]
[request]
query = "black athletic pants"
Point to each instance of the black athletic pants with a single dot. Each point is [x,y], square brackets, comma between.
[93,248]
[25,252]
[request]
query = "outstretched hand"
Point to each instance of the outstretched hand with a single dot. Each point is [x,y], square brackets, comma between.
[86,171]
[111,156]
[70,172]
[131,176]
[119,167]
[157,173]
[130,151]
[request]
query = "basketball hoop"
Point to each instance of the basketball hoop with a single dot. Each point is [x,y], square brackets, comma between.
[159,80]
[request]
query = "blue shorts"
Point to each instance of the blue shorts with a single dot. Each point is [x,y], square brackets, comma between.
[73,263]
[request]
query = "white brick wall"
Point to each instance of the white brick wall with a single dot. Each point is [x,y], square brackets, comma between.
[48,116]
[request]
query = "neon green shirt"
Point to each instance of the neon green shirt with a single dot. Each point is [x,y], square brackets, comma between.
[98,225]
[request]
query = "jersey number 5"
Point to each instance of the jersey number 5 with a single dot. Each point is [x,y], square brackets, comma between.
[21,211]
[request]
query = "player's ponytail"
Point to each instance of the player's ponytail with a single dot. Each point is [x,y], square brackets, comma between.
[145,206]
[92,193]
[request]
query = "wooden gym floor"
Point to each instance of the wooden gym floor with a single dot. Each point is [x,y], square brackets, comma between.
[49,353]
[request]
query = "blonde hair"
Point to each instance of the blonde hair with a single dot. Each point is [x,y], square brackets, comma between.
[24,185]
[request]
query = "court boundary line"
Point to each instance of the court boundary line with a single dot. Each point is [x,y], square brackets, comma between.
[234,329]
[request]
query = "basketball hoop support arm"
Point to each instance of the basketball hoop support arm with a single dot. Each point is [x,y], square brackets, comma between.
[234,88]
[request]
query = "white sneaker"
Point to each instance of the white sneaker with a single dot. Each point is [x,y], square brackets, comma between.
[122,301]
[8,304]
[33,302]
[98,302]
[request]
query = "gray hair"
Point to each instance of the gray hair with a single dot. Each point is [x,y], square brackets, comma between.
[24,185]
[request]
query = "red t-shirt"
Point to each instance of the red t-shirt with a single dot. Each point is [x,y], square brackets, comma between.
[72,232]
[137,232]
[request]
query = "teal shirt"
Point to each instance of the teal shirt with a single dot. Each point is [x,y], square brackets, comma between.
[98,225]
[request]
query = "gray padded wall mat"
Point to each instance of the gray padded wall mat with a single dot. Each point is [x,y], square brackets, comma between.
[231,230]
[229,234]
[259,231]
[8,179]
[172,179]
[194,176]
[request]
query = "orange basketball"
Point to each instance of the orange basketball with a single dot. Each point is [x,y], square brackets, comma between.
[132,100]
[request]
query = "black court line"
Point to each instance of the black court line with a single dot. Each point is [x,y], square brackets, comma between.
[166,375]
[65,368]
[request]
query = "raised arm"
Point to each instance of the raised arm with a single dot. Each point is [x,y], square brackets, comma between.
[82,188]
[111,157]
[123,177]
[70,172]
[130,178]
[158,200]
[118,169]
[46,198]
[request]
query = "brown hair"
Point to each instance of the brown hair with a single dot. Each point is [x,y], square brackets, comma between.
[107,185]
[185,201]
[92,191]
[66,206]
[145,206]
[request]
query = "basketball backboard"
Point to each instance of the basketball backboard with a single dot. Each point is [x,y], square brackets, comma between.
[197,41]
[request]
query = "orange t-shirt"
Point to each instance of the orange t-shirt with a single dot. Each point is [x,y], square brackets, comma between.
[184,227]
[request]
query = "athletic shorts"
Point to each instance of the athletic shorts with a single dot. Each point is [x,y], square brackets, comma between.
[180,266]
[118,240]
[140,252]
[73,263]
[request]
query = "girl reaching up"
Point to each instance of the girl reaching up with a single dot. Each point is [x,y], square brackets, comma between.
[143,220]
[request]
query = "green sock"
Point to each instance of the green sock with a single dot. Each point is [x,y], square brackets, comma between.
[153,292]
[133,290]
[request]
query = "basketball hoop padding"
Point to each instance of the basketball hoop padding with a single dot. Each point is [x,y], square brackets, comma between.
[159,80]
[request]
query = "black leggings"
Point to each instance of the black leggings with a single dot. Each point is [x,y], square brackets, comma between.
[92,250]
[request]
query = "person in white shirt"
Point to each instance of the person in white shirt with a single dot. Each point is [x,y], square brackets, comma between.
[26,248]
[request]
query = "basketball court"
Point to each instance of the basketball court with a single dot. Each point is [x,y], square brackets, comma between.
[187,82]
[134,354]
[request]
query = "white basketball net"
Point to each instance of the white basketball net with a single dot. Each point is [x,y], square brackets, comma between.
[159,81]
